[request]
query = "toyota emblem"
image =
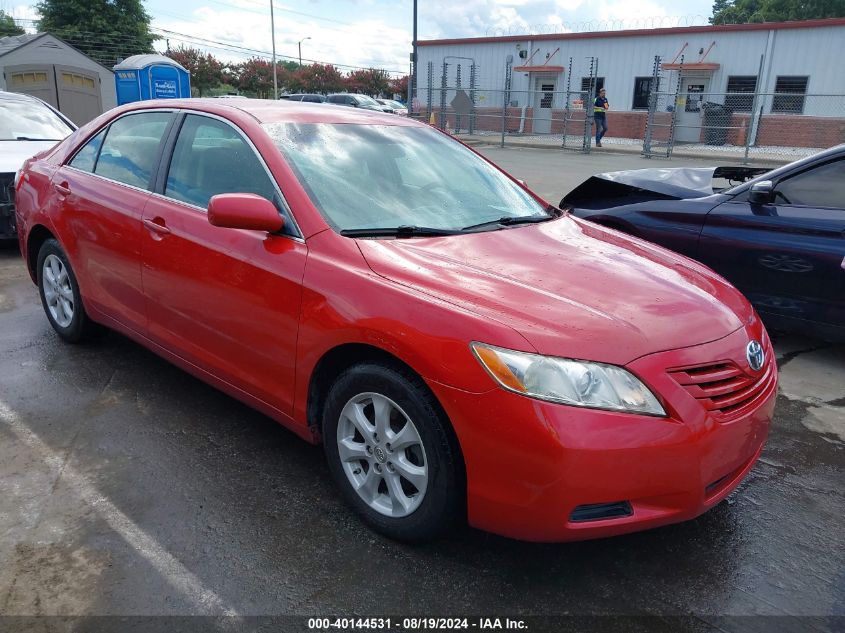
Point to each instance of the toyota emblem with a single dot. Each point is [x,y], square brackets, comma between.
[755,355]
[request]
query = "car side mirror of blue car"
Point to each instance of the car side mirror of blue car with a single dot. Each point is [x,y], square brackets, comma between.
[762,192]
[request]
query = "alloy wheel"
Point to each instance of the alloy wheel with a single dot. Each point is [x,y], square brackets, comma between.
[58,291]
[382,454]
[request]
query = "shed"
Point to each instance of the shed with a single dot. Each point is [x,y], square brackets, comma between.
[49,68]
[143,77]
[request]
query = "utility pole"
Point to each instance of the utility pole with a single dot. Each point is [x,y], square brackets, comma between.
[299,44]
[273,32]
[412,88]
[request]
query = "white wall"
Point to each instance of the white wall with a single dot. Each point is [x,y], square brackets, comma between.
[815,52]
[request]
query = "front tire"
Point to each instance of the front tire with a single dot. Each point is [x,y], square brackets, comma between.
[390,452]
[60,296]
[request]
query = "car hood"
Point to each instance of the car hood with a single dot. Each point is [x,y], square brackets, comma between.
[664,182]
[14,153]
[571,288]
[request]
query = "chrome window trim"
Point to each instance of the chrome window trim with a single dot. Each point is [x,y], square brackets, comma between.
[287,210]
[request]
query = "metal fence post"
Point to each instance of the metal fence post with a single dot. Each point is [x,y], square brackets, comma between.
[589,112]
[751,129]
[566,111]
[458,117]
[506,95]
[443,96]
[472,98]
[671,142]
[654,88]
[429,92]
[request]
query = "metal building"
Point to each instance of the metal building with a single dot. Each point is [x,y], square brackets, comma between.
[788,74]
[49,68]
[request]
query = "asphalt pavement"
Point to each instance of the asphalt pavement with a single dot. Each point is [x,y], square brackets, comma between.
[129,488]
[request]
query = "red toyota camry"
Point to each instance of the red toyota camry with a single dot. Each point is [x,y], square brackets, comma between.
[463,350]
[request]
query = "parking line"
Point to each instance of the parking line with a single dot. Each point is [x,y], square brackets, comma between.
[174,572]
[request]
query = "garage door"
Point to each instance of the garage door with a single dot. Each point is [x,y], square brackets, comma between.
[75,92]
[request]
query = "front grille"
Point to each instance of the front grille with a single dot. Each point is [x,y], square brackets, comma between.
[724,388]
[7,188]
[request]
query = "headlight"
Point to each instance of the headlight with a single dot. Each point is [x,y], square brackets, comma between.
[574,382]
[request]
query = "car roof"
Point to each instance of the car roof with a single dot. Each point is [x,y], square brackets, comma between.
[280,111]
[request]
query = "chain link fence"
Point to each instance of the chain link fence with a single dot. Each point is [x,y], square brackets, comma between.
[681,116]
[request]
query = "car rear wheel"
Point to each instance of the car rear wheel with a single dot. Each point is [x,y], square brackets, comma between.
[389,450]
[60,296]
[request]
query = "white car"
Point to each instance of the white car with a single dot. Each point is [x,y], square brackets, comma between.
[396,106]
[27,126]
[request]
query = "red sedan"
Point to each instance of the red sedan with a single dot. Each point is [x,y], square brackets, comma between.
[463,350]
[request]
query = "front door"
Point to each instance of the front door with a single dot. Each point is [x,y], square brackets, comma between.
[787,257]
[226,300]
[689,110]
[544,92]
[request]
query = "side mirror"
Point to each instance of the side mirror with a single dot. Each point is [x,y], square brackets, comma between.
[244,211]
[762,192]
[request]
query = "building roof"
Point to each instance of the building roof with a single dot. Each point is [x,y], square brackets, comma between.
[142,61]
[716,28]
[14,42]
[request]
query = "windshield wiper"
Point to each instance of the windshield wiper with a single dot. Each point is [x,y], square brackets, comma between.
[29,138]
[510,220]
[399,231]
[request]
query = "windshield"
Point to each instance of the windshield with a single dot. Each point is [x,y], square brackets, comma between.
[30,121]
[365,100]
[373,176]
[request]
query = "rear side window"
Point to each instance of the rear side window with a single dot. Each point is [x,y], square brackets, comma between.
[210,157]
[86,158]
[130,149]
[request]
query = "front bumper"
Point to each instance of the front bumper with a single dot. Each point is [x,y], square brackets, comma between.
[531,464]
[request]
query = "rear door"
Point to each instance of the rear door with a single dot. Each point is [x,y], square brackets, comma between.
[227,300]
[102,191]
[788,257]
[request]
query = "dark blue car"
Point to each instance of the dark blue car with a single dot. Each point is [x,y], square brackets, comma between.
[779,237]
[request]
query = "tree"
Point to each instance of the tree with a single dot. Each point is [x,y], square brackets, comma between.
[741,11]
[105,30]
[8,25]
[317,78]
[399,86]
[206,71]
[370,81]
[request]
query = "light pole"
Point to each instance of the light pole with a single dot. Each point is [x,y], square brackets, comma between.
[300,49]
[273,33]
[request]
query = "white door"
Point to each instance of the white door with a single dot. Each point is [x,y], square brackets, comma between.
[544,93]
[688,120]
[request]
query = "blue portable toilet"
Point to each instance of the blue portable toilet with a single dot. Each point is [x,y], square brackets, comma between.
[143,77]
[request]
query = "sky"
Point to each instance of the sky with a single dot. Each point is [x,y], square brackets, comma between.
[378,33]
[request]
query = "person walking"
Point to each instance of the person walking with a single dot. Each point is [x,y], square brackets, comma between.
[600,108]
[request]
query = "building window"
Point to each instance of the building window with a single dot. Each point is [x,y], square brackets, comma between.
[740,97]
[789,94]
[642,89]
[598,84]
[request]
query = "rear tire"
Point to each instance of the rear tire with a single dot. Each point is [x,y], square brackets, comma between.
[390,452]
[60,296]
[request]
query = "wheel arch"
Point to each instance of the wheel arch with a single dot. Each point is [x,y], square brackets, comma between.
[36,237]
[340,358]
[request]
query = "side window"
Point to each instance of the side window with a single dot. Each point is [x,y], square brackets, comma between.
[210,157]
[129,152]
[86,158]
[822,186]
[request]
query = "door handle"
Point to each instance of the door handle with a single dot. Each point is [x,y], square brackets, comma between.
[62,188]
[157,225]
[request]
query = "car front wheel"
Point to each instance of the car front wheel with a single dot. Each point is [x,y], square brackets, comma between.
[390,451]
[60,296]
